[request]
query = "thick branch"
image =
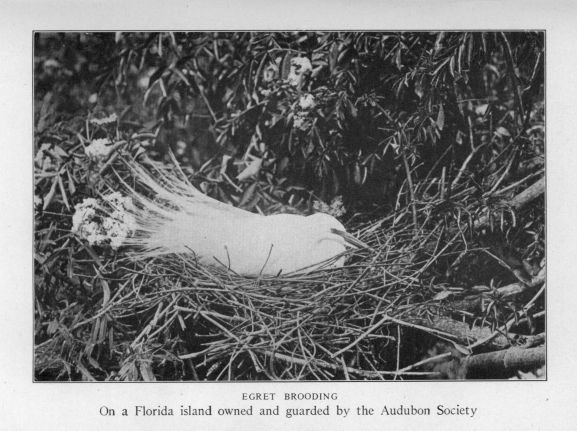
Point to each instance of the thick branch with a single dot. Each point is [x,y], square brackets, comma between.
[473,303]
[522,199]
[466,335]
[504,361]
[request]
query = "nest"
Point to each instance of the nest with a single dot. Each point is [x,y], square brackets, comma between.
[340,323]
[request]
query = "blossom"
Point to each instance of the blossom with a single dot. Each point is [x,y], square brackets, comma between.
[99,149]
[84,214]
[300,122]
[112,118]
[307,101]
[96,224]
[300,66]
[269,73]
[336,208]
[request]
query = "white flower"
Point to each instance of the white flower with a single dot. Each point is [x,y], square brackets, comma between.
[117,228]
[336,208]
[299,123]
[300,66]
[302,63]
[106,120]
[84,212]
[307,101]
[99,149]
[302,121]
[269,73]
[92,222]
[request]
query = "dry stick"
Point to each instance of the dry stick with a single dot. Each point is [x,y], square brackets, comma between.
[521,181]
[411,190]
[442,334]
[465,164]
[359,339]
[363,373]
[426,361]
[501,178]
[511,359]
[463,333]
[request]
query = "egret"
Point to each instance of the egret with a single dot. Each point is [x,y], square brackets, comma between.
[180,219]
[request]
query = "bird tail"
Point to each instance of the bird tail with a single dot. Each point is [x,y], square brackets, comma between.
[169,212]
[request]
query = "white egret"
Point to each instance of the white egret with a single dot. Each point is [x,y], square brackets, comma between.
[181,219]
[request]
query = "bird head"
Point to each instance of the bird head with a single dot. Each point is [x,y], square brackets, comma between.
[328,223]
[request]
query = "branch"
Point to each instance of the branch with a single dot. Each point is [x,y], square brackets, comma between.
[345,369]
[504,361]
[522,199]
[473,303]
[411,190]
[464,334]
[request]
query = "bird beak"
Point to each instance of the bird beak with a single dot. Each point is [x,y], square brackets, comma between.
[351,240]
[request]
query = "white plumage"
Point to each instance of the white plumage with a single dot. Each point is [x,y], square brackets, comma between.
[181,219]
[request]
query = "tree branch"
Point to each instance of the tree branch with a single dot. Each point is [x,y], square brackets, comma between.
[504,361]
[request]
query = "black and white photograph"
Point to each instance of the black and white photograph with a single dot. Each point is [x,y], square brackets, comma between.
[288,215]
[289,205]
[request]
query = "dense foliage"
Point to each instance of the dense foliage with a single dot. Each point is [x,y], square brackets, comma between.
[435,133]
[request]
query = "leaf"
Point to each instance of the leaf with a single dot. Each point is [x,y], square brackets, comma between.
[106,292]
[156,75]
[251,170]
[248,195]
[501,131]
[146,372]
[50,195]
[85,373]
[442,295]
[441,118]
[63,192]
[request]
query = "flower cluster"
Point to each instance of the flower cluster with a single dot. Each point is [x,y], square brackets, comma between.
[336,208]
[300,67]
[99,149]
[96,224]
[270,73]
[307,102]
[302,117]
[113,118]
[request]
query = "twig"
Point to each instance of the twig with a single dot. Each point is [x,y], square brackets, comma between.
[411,190]
[363,373]
[359,339]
